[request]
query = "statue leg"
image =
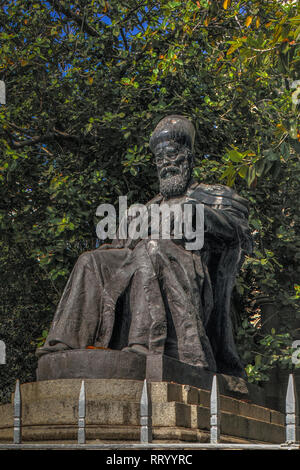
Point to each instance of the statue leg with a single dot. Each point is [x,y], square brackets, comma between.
[178,281]
[86,310]
[148,330]
[138,339]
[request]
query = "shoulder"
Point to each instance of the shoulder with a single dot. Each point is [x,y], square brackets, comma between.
[218,194]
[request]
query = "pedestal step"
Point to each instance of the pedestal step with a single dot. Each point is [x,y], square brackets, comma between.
[180,413]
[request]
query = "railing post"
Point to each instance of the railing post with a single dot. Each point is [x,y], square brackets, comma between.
[146,415]
[291,410]
[81,415]
[17,414]
[2,353]
[214,412]
[2,92]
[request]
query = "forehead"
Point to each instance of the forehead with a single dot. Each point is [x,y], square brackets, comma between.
[166,146]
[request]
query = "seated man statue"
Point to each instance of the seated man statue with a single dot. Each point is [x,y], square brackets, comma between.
[154,296]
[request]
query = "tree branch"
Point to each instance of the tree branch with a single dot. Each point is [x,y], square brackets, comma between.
[124,39]
[44,138]
[34,140]
[81,21]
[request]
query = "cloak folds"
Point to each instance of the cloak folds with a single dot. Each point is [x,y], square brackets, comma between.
[157,294]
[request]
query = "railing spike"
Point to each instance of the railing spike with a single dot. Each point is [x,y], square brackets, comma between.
[291,420]
[17,414]
[81,414]
[214,412]
[146,415]
[2,352]
[2,92]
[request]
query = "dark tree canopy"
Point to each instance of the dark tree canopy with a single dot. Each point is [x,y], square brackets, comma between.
[87,81]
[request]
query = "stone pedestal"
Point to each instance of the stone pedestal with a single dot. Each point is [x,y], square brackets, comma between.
[180,395]
[112,364]
[275,389]
[180,413]
[91,364]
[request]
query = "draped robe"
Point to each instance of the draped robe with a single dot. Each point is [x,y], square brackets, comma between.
[158,294]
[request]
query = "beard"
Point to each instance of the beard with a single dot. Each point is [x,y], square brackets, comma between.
[174,183]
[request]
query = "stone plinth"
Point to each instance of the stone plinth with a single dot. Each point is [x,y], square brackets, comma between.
[91,364]
[180,413]
[112,364]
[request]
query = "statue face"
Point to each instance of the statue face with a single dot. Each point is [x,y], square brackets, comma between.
[173,163]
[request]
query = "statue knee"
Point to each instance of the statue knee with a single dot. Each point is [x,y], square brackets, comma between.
[152,247]
[84,258]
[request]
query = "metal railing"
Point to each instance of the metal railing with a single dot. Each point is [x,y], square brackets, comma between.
[291,421]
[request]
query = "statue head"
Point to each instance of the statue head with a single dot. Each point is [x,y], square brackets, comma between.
[172,144]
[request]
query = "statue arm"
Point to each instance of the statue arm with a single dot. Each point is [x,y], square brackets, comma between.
[225,223]
[228,224]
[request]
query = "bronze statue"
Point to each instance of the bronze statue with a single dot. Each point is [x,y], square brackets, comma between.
[154,296]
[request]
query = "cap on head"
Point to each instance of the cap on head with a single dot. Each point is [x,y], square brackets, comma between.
[173,128]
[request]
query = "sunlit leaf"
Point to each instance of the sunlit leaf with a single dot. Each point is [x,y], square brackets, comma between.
[248,21]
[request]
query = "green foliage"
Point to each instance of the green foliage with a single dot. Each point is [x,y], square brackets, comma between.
[263,352]
[87,81]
